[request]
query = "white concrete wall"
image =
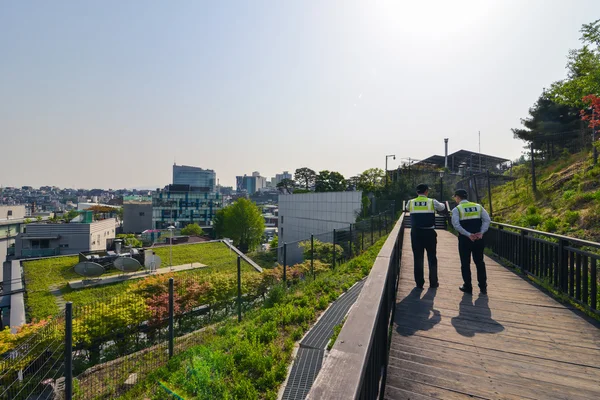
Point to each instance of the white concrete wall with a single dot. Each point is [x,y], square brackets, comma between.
[18,212]
[100,231]
[301,215]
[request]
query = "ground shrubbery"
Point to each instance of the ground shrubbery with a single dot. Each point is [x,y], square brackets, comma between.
[248,360]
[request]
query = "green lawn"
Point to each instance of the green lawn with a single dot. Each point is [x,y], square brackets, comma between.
[41,275]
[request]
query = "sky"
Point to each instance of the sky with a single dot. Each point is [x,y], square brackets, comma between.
[110,94]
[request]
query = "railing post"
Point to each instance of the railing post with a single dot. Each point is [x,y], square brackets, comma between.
[239,288]
[350,242]
[312,255]
[523,254]
[69,351]
[563,266]
[334,249]
[171,318]
[284,261]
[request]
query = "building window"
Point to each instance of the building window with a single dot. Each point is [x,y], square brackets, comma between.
[64,246]
[142,214]
[9,213]
[282,219]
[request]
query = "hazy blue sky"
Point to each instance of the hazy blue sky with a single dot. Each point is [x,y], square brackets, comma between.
[109,94]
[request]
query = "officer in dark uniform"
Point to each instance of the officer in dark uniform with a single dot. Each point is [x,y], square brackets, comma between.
[471,221]
[423,236]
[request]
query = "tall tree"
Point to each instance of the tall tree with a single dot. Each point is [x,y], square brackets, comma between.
[242,222]
[583,70]
[286,185]
[330,181]
[549,124]
[371,180]
[305,177]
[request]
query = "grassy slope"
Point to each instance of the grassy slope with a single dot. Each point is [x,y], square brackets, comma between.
[40,275]
[249,360]
[568,201]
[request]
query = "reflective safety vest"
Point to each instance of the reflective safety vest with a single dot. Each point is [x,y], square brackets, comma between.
[470,216]
[422,212]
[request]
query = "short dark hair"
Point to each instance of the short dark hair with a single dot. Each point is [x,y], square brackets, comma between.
[462,193]
[422,188]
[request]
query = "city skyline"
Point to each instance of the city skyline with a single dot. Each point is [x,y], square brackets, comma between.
[109,95]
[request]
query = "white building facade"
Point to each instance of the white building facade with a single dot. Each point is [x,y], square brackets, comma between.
[301,215]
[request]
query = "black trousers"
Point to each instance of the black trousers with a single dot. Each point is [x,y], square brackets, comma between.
[421,240]
[466,249]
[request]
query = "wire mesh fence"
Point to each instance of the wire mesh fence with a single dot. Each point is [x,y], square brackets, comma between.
[120,337]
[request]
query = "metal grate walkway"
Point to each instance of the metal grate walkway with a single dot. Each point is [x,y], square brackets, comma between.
[312,348]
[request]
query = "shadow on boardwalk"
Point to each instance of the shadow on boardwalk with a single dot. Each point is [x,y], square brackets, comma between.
[475,317]
[419,310]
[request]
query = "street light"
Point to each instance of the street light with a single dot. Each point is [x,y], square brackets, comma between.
[442,185]
[171,229]
[386,169]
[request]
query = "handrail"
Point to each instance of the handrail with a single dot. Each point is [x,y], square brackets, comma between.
[582,242]
[356,366]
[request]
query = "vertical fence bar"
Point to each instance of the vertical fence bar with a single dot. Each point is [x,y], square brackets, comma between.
[563,268]
[594,288]
[350,242]
[284,262]
[312,255]
[171,317]
[334,249]
[572,275]
[584,290]
[578,277]
[239,288]
[522,251]
[69,351]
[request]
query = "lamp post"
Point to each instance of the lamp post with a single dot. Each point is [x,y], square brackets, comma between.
[171,229]
[442,185]
[386,169]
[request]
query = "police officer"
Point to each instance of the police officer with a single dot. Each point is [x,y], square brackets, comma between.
[422,234]
[471,221]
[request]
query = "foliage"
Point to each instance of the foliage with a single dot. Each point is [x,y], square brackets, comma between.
[218,224]
[583,70]
[571,217]
[322,251]
[243,223]
[192,230]
[336,331]
[305,177]
[129,239]
[372,180]
[70,215]
[38,219]
[274,242]
[593,117]
[248,360]
[286,185]
[330,181]
[27,221]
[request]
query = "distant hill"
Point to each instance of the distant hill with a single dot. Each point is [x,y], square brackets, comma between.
[568,199]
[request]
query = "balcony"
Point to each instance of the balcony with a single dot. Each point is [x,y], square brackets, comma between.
[34,253]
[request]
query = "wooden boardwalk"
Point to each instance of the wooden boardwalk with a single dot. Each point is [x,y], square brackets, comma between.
[514,343]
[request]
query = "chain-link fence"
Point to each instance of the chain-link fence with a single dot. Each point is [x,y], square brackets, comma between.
[119,338]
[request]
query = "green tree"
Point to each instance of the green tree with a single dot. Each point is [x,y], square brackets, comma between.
[548,125]
[274,242]
[129,239]
[242,222]
[192,230]
[305,177]
[70,215]
[372,180]
[27,221]
[330,181]
[286,185]
[219,224]
[38,219]
[583,70]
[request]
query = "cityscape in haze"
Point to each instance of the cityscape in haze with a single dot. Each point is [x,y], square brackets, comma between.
[300,199]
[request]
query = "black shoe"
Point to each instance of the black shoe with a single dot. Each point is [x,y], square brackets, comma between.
[434,286]
[483,290]
[420,287]
[466,289]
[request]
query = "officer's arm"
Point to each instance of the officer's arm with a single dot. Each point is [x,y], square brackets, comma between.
[485,221]
[456,223]
[407,206]
[438,206]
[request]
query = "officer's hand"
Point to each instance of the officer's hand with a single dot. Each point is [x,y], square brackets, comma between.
[473,237]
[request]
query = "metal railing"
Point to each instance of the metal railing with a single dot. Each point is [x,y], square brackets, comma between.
[357,365]
[567,265]
[40,252]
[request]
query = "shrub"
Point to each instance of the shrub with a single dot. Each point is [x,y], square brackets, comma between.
[532,219]
[532,210]
[568,194]
[192,230]
[572,217]
[551,224]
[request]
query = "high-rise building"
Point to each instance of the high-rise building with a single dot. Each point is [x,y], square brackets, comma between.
[279,177]
[205,180]
[250,184]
